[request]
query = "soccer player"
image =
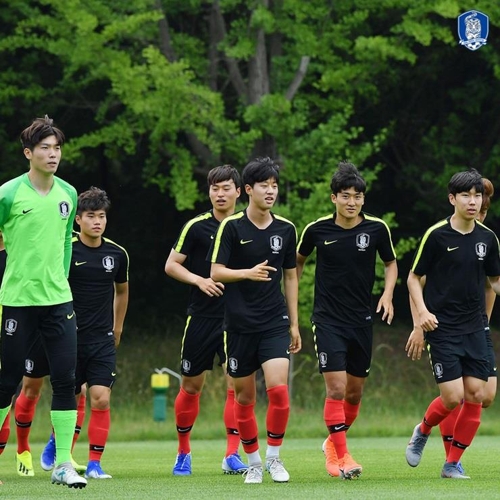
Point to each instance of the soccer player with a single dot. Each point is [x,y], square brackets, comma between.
[99,281]
[416,342]
[346,243]
[204,332]
[455,256]
[37,210]
[253,251]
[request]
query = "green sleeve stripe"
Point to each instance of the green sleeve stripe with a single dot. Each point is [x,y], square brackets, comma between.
[326,217]
[378,219]
[187,227]
[424,239]
[237,216]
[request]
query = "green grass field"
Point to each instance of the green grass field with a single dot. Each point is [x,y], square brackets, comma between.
[142,470]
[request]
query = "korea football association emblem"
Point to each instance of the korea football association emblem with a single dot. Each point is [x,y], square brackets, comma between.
[276,243]
[64,209]
[108,263]
[10,326]
[473,29]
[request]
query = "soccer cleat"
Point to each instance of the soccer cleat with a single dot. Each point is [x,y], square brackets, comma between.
[278,472]
[253,474]
[182,465]
[48,456]
[451,470]
[65,474]
[24,464]
[415,447]
[233,464]
[348,468]
[94,471]
[332,461]
[81,469]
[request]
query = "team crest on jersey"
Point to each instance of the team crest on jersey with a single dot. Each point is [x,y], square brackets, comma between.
[438,370]
[481,249]
[473,28]
[276,243]
[10,326]
[64,209]
[186,365]
[323,358]
[233,364]
[363,241]
[108,263]
[29,365]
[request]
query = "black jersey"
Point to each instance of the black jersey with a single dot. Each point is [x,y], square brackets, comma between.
[92,275]
[255,306]
[456,266]
[194,242]
[345,267]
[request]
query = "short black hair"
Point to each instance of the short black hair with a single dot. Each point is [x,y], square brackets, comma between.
[463,182]
[39,130]
[260,169]
[92,200]
[347,176]
[223,173]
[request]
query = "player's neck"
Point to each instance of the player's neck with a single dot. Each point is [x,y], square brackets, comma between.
[221,215]
[90,242]
[462,225]
[41,183]
[261,218]
[346,223]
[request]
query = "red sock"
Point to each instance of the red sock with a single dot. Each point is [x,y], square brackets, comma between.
[186,407]
[99,424]
[466,427]
[247,426]
[232,436]
[436,412]
[278,411]
[334,416]
[351,412]
[24,413]
[446,427]
[80,417]
[5,433]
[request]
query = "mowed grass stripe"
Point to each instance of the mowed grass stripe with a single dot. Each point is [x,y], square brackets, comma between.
[143,470]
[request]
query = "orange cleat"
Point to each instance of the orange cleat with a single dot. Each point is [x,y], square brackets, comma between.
[332,461]
[349,469]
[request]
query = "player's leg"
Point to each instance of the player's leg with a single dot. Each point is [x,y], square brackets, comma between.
[24,412]
[58,331]
[96,366]
[4,433]
[242,366]
[232,462]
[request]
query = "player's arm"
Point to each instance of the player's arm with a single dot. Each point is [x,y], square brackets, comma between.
[489,298]
[291,290]
[416,342]
[301,260]
[68,245]
[120,305]
[385,302]
[426,320]
[174,267]
[260,272]
[495,283]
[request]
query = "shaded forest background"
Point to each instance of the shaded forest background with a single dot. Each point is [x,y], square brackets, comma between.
[151,94]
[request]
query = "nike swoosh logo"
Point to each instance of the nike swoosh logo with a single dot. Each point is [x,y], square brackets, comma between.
[69,316]
[27,211]
[244,242]
[451,249]
[330,242]
[113,374]
[338,427]
[288,351]
[80,263]
[212,237]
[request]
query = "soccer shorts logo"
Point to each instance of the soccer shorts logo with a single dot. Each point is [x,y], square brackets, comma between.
[323,358]
[186,365]
[438,370]
[233,364]
[10,326]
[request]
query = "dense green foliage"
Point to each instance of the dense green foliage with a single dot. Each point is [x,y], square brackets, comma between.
[153,93]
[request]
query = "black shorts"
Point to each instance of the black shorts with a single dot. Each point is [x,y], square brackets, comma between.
[456,356]
[247,352]
[341,349]
[203,339]
[96,364]
[36,364]
[491,355]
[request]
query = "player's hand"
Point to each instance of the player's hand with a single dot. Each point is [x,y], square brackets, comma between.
[117,335]
[295,340]
[415,344]
[386,304]
[210,287]
[261,271]
[428,322]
